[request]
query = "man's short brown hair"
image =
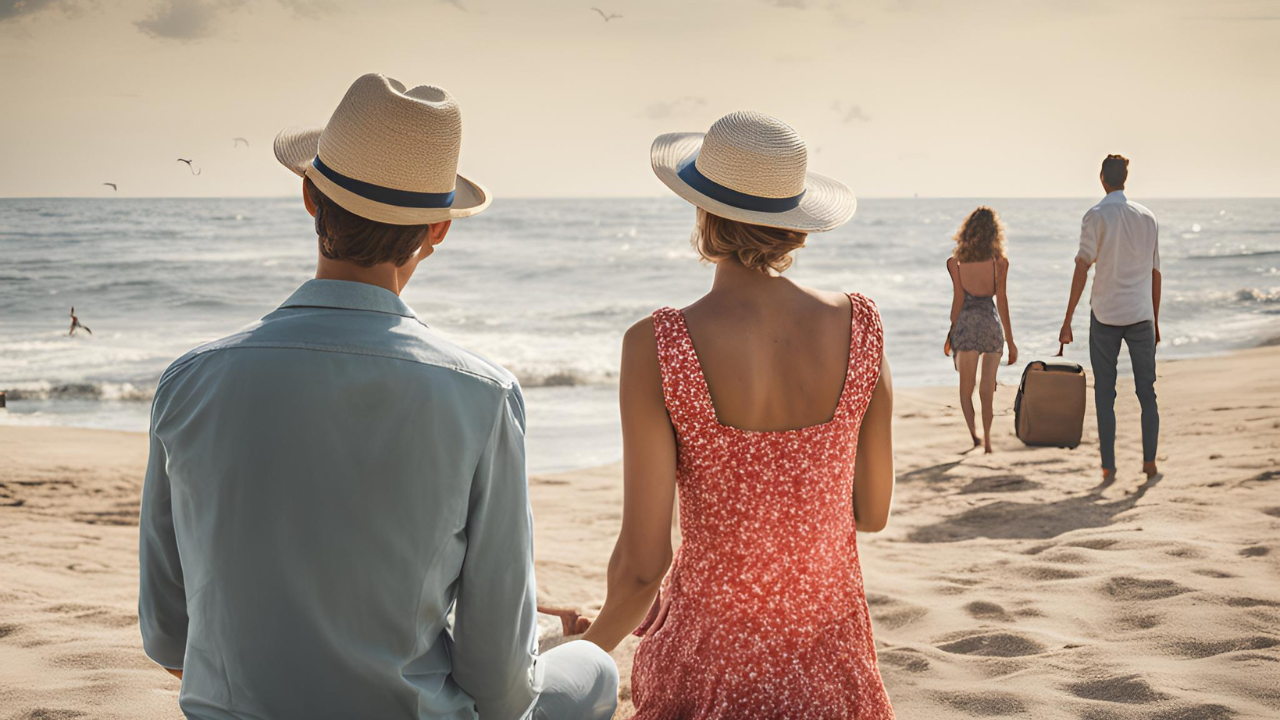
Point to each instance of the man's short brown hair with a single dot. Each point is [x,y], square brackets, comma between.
[1115,170]
[345,236]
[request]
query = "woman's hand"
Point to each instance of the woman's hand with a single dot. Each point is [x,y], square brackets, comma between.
[946,346]
[1013,353]
[571,622]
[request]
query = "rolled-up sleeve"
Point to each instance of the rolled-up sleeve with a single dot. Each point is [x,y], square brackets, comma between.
[495,625]
[1088,240]
[162,600]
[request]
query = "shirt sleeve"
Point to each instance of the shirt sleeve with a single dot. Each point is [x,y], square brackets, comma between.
[1088,240]
[162,599]
[495,622]
[1155,259]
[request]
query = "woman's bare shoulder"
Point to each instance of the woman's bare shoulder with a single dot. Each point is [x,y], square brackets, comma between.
[639,338]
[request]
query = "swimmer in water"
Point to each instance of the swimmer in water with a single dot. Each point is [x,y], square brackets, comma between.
[75,323]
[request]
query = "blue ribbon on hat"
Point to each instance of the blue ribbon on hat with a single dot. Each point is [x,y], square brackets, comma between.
[384,195]
[692,177]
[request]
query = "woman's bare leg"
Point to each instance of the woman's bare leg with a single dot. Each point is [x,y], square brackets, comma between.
[967,363]
[986,393]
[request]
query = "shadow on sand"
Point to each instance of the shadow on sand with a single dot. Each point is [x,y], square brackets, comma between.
[1031,520]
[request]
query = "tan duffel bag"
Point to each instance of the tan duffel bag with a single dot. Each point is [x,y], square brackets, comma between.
[1049,409]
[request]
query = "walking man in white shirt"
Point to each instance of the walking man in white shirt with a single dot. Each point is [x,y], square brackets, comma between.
[1121,236]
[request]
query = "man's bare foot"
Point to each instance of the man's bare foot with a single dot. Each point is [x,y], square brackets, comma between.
[1150,469]
[571,623]
[1108,474]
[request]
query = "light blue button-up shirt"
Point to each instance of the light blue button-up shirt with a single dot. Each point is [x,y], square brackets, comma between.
[323,488]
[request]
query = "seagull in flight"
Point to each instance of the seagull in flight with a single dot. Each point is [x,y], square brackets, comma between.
[113,186]
[235,142]
[607,17]
[192,168]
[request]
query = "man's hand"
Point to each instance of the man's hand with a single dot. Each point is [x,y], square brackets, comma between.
[1157,333]
[1064,336]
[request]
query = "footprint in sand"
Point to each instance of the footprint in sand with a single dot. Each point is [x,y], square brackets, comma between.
[904,658]
[1255,551]
[1208,711]
[983,610]
[1122,689]
[1272,511]
[983,704]
[1248,602]
[1048,572]
[1139,621]
[891,613]
[51,714]
[1213,573]
[1186,553]
[993,644]
[1128,588]
[1196,650]
[1093,543]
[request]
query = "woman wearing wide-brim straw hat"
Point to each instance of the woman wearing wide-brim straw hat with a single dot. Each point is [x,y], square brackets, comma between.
[756,404]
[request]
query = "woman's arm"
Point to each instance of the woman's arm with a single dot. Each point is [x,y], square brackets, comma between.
[643,551]
[957,291]
[957,299]
[873,469]
[1002,303]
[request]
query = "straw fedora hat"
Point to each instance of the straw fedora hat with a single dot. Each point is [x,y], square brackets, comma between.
[752,168]
[388,154]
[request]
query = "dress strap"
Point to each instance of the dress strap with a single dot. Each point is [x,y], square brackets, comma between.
[866,341]
[684,387]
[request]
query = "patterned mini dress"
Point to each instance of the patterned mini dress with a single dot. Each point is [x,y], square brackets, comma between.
[766,617]
[977,327]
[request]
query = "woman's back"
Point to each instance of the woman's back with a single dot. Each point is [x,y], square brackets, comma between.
[978,278]
[773,360]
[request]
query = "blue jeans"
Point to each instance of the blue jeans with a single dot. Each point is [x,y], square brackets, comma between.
[579,682]
[1104,353]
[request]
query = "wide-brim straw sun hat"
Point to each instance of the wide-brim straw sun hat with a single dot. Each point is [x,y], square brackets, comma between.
[388,154]
[752,168]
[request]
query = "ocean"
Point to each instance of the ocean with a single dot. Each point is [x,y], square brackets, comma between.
[547,287]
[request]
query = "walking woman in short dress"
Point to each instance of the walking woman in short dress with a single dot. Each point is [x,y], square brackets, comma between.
[767,406]
[978,270]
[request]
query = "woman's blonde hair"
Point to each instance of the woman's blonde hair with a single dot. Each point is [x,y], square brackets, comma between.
[763,249]
[980,237]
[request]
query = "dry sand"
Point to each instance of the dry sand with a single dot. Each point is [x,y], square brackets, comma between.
[1006,585]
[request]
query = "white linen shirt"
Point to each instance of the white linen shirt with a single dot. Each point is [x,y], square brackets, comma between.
[1122,238]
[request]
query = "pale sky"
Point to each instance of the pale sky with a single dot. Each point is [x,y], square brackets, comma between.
[980,98]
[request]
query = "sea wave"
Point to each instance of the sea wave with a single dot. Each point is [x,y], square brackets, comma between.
[100,391]
[1257,295]
[129,392]
[1235,256]
[562,377]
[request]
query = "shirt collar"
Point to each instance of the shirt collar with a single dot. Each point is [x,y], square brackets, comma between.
[1115,196]
[348,296]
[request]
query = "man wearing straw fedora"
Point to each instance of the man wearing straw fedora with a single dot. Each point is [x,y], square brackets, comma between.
[335,519]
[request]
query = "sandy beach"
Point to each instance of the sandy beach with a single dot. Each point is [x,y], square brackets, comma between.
[1010,584]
